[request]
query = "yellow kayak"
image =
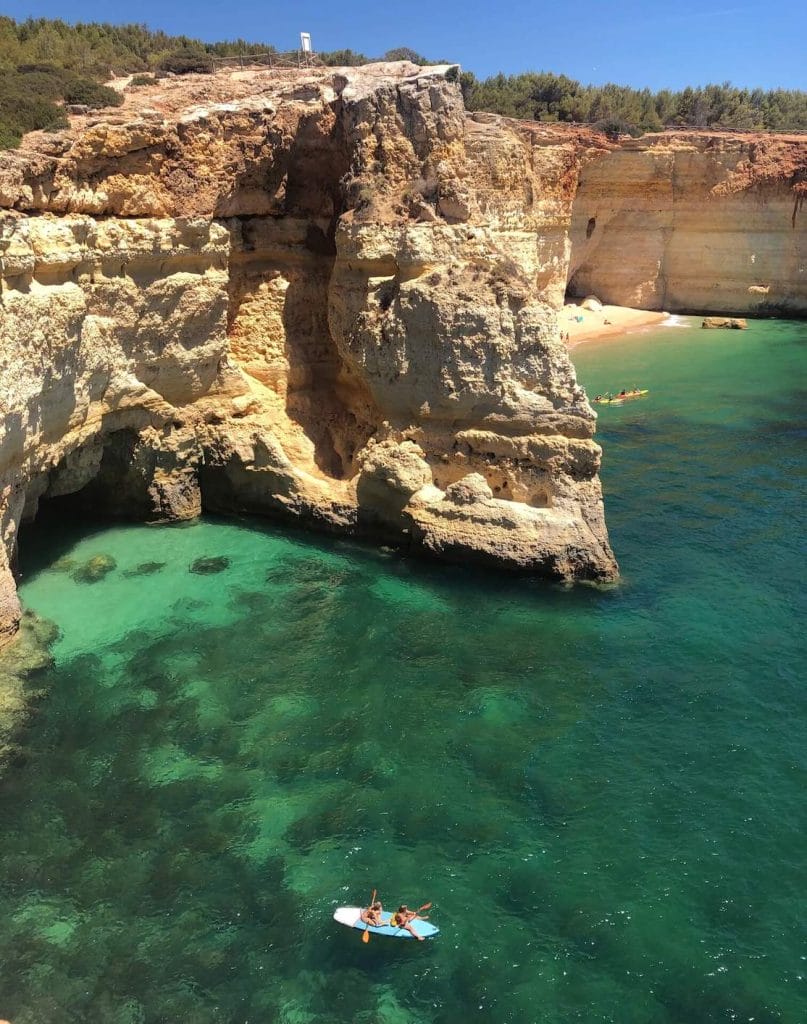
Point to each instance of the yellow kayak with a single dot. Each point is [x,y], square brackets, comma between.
[624,396]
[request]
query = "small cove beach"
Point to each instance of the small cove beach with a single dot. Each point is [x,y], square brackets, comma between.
[609,322]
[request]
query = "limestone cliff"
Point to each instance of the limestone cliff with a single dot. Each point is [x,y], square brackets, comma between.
[694,221]
[326,296]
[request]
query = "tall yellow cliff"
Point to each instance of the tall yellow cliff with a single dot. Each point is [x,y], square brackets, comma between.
[327,296]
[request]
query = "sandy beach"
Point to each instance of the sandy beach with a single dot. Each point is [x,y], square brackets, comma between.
[609,321]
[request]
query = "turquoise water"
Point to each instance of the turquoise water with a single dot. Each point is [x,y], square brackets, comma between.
[602,792]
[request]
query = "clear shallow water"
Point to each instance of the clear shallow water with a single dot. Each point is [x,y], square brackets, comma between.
[603,792]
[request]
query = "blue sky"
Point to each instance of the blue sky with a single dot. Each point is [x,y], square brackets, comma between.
[660,45]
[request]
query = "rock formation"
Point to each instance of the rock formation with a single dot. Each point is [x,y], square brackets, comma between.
[725,323]
[325,296]
[694,222]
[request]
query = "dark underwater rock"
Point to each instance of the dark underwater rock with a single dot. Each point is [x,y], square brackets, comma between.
[210,565]
[94,569]
[145,569]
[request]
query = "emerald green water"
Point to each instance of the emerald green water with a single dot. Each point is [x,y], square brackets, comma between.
[603,792]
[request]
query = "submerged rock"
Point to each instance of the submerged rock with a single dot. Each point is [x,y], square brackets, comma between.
[210,565]
[94,569]
[63,564]
[145,569]
[188,604]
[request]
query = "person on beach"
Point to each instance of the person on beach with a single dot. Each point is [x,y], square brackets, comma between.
[372,914]
[403,917]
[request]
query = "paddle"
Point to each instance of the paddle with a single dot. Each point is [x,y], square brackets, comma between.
[365,935]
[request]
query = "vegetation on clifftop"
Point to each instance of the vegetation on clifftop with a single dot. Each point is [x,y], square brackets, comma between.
[547,97]
[45,64]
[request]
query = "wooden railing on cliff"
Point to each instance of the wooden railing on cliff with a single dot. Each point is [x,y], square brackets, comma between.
[290,59]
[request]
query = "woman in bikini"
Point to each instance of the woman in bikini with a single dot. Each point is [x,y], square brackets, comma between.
[372,915]
[403,917]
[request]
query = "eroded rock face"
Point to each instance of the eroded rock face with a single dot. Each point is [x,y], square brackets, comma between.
[326,296]
[470,490]
[694,222]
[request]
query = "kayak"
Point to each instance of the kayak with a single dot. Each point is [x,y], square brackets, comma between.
[619,399]
[351,916]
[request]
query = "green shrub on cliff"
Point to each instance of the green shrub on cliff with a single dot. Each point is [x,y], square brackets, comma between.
[30,99]
[188,60]
[91,94]
[343,59]
[27,103]
[613,127]
[405,53]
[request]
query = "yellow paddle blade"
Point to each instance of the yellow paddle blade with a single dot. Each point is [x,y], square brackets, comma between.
[365,935]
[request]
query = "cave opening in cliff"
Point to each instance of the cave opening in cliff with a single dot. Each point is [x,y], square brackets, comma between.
[66,511]
[118,477]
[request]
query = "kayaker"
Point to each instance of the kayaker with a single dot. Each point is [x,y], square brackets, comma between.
[372,914]
[402,918]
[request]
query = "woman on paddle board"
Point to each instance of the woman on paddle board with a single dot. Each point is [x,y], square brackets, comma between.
[371,915]
[402,918]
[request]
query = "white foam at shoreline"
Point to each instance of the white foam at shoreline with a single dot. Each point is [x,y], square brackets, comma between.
[674,320]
